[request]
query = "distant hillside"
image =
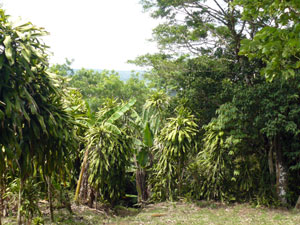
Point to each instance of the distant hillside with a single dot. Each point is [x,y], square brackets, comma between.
[124,74]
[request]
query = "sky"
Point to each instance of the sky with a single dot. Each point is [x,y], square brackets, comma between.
[97,34]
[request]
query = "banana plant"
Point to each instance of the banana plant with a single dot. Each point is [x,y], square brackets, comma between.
[147,127]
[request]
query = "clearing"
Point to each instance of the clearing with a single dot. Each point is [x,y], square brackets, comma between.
[175,213]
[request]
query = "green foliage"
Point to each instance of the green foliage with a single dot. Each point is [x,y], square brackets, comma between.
[31,196]
[96,86]
[233,164]
[177,142]
[198,27]
[145,130]
[38,221]
[34,118]
[120,111]
[228,171]
[109,149]
[63,69]
[148,125]
[230,133]
[201,83]
[277,44]
[36,132]
[108,162]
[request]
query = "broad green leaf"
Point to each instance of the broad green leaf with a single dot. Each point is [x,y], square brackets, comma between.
[136,115]
[142,158]
[113,128]
[8,50]
[121,111]
[148,135]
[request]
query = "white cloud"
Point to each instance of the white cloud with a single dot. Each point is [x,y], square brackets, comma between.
[100,34]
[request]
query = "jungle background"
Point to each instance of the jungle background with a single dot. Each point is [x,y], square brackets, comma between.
[214,115]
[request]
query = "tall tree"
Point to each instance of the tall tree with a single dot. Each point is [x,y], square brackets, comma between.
[277,44]
[201,27]
[36,130]
[255,133]
[226,34]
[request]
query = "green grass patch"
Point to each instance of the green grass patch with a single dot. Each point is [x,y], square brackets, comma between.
[177,213]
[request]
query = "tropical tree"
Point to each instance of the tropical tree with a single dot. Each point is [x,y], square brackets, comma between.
[176,144]
[228,168]
[108,152]
[277,43]
[201,27]
[201,83]
[97,86]
[229,43]
[64,69]
[146,130]
[36,130]
[254,134]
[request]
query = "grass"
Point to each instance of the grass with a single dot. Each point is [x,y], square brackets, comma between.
[177,213]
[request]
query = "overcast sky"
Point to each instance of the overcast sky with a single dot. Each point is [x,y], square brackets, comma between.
[98,34]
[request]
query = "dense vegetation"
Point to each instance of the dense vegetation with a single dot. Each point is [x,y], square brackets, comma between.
[216,117]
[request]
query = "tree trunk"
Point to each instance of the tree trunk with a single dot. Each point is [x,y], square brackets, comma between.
[85,189]
[96,200]
[19,216]
[281,173]
[169,191]
[180,173]
[83,167]
[297,206]
[91,198]
[271,165]
[50,198]
[141,185]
